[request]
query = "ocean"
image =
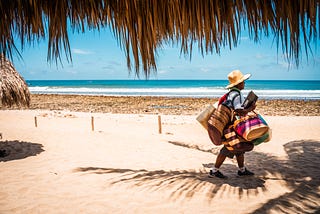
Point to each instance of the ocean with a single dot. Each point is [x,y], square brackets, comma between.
[265,89]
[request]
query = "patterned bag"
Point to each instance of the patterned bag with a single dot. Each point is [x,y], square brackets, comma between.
[217,122]
[251,127]
[230,136]
[263,139]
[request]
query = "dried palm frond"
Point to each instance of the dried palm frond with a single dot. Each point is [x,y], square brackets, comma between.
[143,26]
[13,88]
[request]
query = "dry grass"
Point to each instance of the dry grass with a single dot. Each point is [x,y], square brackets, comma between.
[13,88]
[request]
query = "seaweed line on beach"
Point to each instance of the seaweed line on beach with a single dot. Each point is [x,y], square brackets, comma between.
[161,105]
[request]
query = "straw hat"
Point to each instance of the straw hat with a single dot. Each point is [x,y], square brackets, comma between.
[235,77]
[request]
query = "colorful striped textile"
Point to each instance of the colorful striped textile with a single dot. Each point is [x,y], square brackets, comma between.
[251,127]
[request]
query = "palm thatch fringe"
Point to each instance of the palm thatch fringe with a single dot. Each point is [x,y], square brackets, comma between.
[13,88]
[143,26]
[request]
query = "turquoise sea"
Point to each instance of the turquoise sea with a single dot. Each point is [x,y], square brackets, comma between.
[265,89]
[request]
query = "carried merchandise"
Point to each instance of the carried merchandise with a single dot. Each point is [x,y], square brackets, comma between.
[251,127]
[230,136]
[220,118]
[204,116]
[250,100]
[240,147]
[235,143]
[263,139]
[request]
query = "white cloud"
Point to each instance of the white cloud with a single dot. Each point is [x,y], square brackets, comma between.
[82,52]
[205,70]
[70,71]
[260,56]
[162,71]
[283,64]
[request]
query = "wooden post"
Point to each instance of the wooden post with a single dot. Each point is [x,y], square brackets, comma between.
[159,124]
[35,122]
[92,123]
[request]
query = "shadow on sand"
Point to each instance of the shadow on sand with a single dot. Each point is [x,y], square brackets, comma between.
[15,150]
[300,172]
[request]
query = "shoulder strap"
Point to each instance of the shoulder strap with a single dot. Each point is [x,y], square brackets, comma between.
[234,89]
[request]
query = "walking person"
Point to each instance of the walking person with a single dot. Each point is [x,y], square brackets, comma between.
[235,101]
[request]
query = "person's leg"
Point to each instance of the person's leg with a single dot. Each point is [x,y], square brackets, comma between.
[240,160]
[214,172]
[219,161]
[242,170]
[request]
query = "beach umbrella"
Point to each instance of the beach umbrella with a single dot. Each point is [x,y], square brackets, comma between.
[13,88]
[142,27]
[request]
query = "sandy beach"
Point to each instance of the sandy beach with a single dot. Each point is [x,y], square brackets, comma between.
[60,163]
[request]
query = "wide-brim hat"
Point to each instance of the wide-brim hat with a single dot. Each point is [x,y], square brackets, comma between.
[235,77]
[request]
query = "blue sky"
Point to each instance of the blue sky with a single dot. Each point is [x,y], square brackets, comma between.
[97,55]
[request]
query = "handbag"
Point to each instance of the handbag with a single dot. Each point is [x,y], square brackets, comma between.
[251,127]
[240,147]
[220,118]
[217,122]
[263,139]
[205,114]
[230,136]
[234,142]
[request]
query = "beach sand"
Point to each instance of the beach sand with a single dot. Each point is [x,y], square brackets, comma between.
[125,165]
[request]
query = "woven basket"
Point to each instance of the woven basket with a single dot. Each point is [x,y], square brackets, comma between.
[204,116]
[251,127]
[220,118]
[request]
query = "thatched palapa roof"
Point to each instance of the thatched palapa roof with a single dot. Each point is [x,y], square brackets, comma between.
[13,88]
[143,26]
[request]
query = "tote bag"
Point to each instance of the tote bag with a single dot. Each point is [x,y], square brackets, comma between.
[205,114]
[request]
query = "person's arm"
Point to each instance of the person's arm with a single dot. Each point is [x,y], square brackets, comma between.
[245,111]
[238,108]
